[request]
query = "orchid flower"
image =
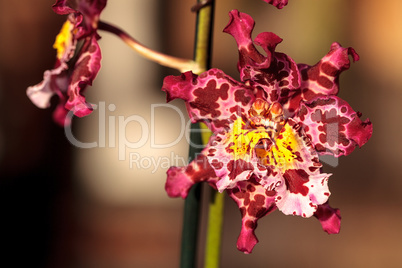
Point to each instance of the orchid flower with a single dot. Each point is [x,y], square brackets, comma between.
[268,130]
[77,60]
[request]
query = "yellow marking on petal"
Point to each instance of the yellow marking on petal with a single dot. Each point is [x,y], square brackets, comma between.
[205,133]
[63,39]
[283,154]
[244,139]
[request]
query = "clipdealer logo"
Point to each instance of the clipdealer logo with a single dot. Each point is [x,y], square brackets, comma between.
[117,125]
[148,133]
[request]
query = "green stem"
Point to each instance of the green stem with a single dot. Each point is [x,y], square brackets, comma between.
[216,203]
[203,42]
[202,57]
[215,222]
[214,231]
[191,215]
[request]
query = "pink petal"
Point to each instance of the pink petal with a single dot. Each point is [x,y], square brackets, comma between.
[86,13]
[275,73]
[333,126]
[64,7]
[230,167]
[60,114]
[330,218]
[85,71]
[213,97]
[254,202]
[240,26]
[323,77]
[181,179]
[54,81]
[296,175]
[268,41]
[302,192]
[277,3]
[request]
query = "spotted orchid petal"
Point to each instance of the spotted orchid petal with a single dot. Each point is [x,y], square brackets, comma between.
[56,81]
[181,179]
[77,62]
[84,72]
[301,192]
[333,126]
[322,79]
[295,172]
[231,155]
[212,97]
[275,73]
[53,81]
[277,3]
[330,218]
[76,68]
[87,13]
[60,114]
[241,26]
[254,202]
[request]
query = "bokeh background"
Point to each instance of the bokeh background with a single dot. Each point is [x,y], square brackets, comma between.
[63,206]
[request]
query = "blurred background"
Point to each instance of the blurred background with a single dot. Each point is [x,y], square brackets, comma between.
[64,206]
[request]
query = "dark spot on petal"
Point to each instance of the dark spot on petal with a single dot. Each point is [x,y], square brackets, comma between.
[250,224]
[295,180]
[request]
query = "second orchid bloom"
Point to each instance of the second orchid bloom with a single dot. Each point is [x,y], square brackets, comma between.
[268,130]
[77,62]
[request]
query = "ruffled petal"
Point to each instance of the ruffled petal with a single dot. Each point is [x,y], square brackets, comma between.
[333,126]
[241,26]
[295,173]
[85,70]
[277,3]
[64,7]
[212,97]
[254,202]
[60,115]
[323,77]
[181,179]
[231,155]
[301,192]
[275,73]
[86,12]
[330,218]
[54,81]
[281,75]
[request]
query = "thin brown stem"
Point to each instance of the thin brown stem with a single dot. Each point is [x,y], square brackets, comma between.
[182,65]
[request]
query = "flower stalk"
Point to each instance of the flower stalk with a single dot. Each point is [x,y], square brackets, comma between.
[202,56]
[214,231]
[179,64]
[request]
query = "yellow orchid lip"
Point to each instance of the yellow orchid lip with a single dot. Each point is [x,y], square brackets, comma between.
[264,123]
[63,39]
[244,139]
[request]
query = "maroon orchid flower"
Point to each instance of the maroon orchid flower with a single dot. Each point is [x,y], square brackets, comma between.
[268,130]
[277,3]
[77,63]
